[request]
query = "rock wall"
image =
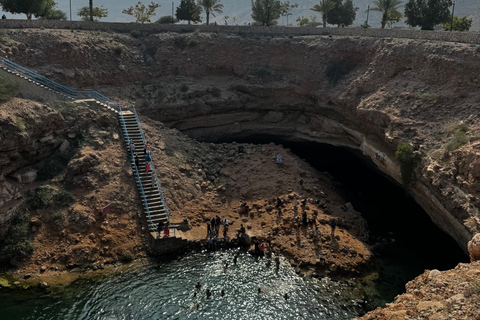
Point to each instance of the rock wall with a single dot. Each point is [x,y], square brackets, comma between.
[365,93]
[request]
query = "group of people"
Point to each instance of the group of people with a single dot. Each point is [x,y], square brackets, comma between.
[213,231]
[165,228]
[148,160]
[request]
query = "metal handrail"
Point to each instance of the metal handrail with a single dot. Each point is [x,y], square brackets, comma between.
[137,174]
[152,167]
[91,94]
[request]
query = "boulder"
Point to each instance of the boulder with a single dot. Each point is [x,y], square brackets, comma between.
[25,176]
[43,285]
[64,146]
[474,248]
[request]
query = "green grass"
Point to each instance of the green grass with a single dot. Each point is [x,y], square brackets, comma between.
[48,196]
[8,88]
[459,138]
[405,157]
[126,257]
[17,245]
[427,96]
[118,50]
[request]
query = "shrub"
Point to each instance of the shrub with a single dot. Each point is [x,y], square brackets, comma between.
[63,198]
[8,88]
[53,166]
[180,42]
[184,88]
[427,96]
[337,69]
[459,138]
[187,29]
[48,196]
[166,20]
[118,50]
[17,245]
[41,197]
[135,34]
[126,257]
[405,157]
[192,43]
[66,109]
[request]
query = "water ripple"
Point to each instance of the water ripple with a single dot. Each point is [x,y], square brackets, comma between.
[167,291]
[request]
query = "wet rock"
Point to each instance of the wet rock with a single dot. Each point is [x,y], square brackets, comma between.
[43,285]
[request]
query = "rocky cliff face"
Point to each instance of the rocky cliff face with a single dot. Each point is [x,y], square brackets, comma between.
[362,93]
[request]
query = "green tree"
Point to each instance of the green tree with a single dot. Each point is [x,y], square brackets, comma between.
[267,12]
[385,7]
[427,13]
[210,7]
[459,24]
[98,12]
[287,8]
[324,8]
[54,15]
[394,16]
[37,8]
[186,11]
[142,12]
[343,14]
[302,21]
[166,20]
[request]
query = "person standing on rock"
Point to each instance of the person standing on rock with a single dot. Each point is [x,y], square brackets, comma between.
[208,228]
[332,223]
[279,159]
[316,234]
[304,218]
[295,201]
[217,225]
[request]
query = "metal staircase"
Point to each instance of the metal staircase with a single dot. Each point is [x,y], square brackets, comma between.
[150,193]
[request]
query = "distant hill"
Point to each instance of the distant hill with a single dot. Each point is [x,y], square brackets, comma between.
[242,10]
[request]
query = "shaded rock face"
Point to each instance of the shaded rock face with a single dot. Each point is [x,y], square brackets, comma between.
[363,93]
[474,248]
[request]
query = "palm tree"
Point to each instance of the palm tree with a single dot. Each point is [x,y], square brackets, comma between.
[385,6]
[324,8]
[90,5]
[210,7]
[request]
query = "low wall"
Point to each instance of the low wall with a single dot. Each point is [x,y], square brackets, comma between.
[463,37]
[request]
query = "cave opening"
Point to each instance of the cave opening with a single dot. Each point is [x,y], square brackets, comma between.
[408,240]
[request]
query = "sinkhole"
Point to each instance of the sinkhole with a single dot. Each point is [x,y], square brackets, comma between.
[403,237]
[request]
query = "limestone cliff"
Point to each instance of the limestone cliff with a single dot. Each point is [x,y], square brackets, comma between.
[364,93]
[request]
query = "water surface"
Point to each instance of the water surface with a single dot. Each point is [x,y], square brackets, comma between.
[166,290]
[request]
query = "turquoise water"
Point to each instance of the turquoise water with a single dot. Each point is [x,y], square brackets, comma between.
[165,290]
